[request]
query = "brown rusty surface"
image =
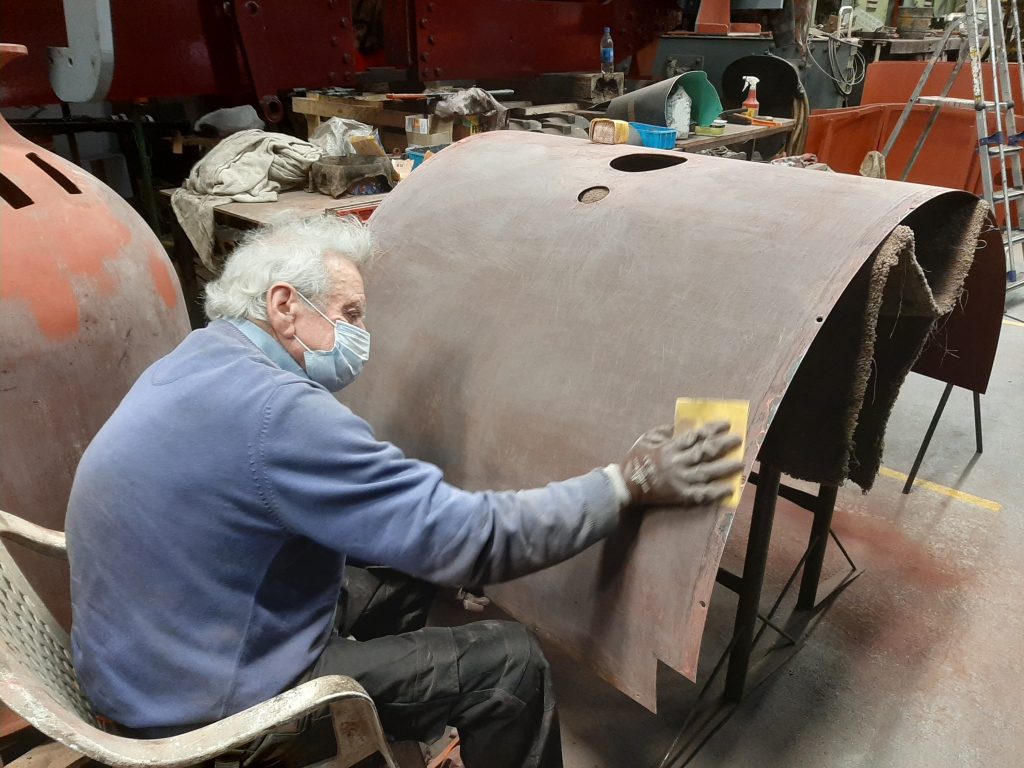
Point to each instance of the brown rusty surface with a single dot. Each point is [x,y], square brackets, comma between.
[522,336]
[88,299]
[962,348]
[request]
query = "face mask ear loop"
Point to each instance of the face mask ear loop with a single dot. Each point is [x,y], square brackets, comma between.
[302,343]
[315,309]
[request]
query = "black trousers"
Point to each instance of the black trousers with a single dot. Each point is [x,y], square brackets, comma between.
[489,679]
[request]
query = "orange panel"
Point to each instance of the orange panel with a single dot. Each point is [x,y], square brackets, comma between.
[892,82]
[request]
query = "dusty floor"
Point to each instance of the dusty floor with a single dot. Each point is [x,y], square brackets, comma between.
[920,662]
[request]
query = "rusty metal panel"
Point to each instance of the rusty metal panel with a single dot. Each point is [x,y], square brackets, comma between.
[493,39]
[88,299]
[540,301]
[962,349]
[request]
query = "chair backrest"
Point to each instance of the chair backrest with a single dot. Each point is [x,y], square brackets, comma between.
[37,681]
[35,655]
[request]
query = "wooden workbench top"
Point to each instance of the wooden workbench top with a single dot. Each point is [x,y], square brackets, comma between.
[735,134]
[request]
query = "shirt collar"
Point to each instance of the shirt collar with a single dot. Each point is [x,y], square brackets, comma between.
[268,345]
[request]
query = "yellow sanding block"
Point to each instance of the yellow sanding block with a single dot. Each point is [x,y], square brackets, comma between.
[693,413]
[604,130]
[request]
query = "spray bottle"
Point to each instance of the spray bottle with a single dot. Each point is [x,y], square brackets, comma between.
[750,105]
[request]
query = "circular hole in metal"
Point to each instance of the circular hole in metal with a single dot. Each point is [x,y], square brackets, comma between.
[820,319]
[593,194]
[640,162]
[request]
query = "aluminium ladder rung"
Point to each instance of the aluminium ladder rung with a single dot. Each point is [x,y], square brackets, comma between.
[993,152]
[1016,236]
[1012,193]
[949,101]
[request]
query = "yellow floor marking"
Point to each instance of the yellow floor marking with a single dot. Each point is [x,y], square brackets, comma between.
[953,493]
[1008,321]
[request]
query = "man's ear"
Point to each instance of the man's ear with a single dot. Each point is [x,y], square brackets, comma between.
[281,301]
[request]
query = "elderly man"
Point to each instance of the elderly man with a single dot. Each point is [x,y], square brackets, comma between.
[211,518]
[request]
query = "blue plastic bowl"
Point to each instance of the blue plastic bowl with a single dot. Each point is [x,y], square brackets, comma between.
[655,136]
[416,153]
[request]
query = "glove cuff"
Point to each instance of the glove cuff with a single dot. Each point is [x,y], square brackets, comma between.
[614,472]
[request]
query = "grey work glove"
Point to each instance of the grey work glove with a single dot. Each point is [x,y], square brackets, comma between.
[688,470]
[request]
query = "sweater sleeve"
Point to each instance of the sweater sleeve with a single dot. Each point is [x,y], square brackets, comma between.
[321,472]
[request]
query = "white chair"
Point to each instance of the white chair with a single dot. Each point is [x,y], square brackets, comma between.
[37,681]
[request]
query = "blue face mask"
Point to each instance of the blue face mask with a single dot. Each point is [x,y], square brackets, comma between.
[337,367]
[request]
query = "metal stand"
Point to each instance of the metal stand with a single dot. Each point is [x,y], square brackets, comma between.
[980,448]
[823,507]
[751,582]
[931,431]
[707,716]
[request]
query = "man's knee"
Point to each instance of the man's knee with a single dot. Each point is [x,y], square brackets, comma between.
[516,663]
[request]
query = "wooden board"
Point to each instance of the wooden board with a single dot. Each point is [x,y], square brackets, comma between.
[316,107]
[296,203]
[544,109]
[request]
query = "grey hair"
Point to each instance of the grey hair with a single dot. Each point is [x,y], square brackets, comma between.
[293,253]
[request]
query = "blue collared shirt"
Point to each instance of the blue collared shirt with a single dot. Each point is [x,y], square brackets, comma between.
[268,345]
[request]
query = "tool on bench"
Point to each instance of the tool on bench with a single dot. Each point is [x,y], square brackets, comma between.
[739,117]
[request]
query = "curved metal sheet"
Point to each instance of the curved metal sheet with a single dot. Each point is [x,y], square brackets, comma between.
[521,336]
[962,349]
[88,299]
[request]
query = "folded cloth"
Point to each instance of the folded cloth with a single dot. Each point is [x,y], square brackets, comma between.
[249,167]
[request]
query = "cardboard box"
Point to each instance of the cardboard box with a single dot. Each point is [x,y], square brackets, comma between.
[417,124]
[467,125]
[436,131]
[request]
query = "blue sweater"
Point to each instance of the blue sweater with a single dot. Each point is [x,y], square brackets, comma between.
[210,519]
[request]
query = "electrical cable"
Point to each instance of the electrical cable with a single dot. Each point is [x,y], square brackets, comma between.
[844,84]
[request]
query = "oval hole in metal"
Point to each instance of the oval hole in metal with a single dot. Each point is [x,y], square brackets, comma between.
[593,194]
[647,161]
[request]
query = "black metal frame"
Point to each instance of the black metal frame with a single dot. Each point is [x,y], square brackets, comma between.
[134,134]
[704,721]
[919,459]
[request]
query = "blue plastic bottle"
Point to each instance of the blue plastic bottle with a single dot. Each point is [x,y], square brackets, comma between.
[607,52]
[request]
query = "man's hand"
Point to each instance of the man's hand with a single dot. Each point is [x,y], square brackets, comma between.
[688,470]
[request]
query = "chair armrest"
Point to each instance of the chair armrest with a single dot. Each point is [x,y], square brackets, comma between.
[32,536]
[206,742]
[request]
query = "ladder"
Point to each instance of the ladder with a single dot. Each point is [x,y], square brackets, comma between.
[1003,147]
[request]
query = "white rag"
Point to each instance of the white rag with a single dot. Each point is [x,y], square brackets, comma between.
[248,167]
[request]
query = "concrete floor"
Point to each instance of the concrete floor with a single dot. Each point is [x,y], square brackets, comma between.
[918,663]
